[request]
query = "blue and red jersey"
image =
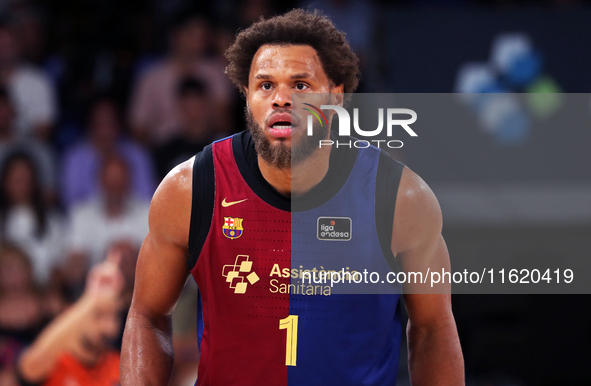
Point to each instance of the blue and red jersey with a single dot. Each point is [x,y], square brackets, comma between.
[260,320]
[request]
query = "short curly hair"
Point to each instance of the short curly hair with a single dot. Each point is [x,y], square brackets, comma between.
[297,27]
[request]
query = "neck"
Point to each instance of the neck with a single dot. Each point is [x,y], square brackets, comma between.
[196,131]
[104,149]
[21,202]
[5,72]
[299,179]
[15,291]
[114,207]
[184,62]
[5,133]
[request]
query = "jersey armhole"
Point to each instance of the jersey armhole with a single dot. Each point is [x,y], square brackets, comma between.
[202,203]
[387,182]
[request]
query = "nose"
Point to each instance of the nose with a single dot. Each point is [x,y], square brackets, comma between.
[282,97]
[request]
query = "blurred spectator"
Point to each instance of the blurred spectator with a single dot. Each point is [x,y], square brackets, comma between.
[25,219]
[21,312]
[30,28]
[355,18]
[113,215]
[20,303]
[184,338]
[40,152]
[77,347]
[153,113]
[196,130]
[30,89]
[358,20]
[224,37]
[81,163]
[252,10]
[127,253]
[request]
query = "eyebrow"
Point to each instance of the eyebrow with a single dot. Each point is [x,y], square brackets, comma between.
[302,75]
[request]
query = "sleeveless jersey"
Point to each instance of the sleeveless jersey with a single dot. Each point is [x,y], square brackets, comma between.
[260,321]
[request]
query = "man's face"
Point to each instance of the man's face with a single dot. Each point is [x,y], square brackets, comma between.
[194,110]
[278,130]
[9,51]
[191,38]
[6,117]
[19,182]
[115,180]
[104,126]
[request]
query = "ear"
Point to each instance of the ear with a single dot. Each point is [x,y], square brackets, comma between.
[337,95]
[245,92]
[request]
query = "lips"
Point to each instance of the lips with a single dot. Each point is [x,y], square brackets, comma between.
[280,125]
[280,121]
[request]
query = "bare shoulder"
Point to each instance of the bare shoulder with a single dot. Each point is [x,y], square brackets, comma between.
[170,210]
[417,215]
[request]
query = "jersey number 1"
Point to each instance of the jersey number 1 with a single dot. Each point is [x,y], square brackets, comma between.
[291,346]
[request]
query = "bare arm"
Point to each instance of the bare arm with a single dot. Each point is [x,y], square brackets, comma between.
[147,355]
[65,333]
[435,354]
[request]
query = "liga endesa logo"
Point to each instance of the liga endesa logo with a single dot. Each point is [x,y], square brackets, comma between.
[345,126]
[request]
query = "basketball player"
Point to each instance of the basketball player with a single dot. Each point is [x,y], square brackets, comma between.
[243,218]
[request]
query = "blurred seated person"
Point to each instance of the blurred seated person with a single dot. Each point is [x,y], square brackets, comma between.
[34,97]
[10,142]
[77,347]
[82,162]
[184,336]
[196,130]
[22,313]
[127,253]
[26,220]
[113,214]
[153,115]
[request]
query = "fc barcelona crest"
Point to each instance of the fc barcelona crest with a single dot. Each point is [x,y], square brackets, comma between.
[232,227]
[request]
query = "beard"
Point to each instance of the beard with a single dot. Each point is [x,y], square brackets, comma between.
[280,155]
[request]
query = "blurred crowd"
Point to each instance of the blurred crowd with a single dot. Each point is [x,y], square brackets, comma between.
[99,100]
